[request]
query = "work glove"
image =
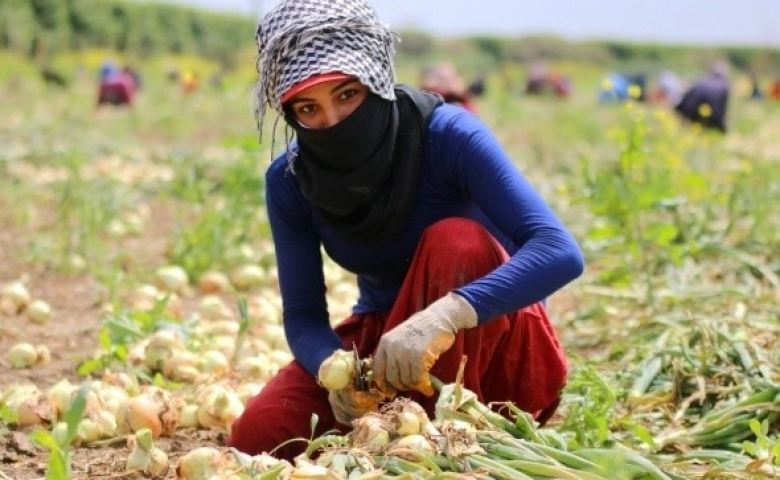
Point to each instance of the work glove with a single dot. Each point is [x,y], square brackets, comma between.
[406,353]
[350,403]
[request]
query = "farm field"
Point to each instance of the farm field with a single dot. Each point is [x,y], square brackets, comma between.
[128,223]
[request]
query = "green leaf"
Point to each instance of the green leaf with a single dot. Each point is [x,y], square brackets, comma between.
[7,416]
[75,411]
[750,448]
[89,366]
[45,439]
[59,466]
[104,339]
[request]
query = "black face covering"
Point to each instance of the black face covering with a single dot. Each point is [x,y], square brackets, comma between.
[348,144]
[343,167]
[361,174]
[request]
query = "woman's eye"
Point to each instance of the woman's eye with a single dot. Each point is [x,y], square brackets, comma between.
[347,94]
[305,109]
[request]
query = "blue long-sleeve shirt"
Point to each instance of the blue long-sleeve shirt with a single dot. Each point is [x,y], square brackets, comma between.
[464,173]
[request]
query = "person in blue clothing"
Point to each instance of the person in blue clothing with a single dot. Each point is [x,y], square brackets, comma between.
[453,249]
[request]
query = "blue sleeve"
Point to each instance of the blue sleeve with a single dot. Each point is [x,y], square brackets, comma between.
[301,280]
[547,256]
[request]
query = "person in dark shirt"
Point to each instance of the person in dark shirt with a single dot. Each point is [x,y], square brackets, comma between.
[705,102]
[453,250]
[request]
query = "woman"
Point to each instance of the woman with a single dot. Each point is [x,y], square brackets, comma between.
[453,250]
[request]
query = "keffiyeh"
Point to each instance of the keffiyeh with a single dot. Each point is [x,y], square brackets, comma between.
[302,38]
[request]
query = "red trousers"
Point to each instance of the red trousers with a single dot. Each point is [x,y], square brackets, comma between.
[516,357]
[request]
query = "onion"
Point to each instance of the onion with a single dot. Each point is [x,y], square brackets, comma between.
[39,312]
[246,391]
[172,278]
[214,362]
[220,410]
[14,298]
[188,417]
[203,463]
[60,433]
[274,335]
[337,371]
[60,395]
[247,276]
[126,381]
[408,424]
[144,412]
[22,355]
[106,423]
[160,347]
[114,401]
[181,366]
[265,310]
[87,432]
[225,328]
[370,432]
[28,405]
[144,456]
[279,357]
[255,368]
[411,447]
[214,282]
[211,307]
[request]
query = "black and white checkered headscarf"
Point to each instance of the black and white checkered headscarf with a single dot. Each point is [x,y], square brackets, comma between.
[302,38]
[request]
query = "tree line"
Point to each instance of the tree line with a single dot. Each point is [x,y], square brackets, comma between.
[40,29]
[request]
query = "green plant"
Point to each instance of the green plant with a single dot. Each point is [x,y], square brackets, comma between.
[59,446]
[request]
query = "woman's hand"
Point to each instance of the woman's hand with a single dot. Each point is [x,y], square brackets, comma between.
[406,354]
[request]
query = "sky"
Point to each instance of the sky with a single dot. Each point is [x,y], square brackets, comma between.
[698,22]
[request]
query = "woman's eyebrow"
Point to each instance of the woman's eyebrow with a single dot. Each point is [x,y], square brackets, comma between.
[334,89]
[343,84]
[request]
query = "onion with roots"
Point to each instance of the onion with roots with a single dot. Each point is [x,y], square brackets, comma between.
[370,432]
[411,447]
[144,456]
[220,409]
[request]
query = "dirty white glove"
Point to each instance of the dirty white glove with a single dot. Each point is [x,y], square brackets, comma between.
[406,353]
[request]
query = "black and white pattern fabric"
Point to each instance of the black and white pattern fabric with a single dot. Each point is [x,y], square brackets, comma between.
[302,38]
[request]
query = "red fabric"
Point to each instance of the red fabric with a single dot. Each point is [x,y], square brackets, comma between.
[311,81]
[117,91]
[516,357]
